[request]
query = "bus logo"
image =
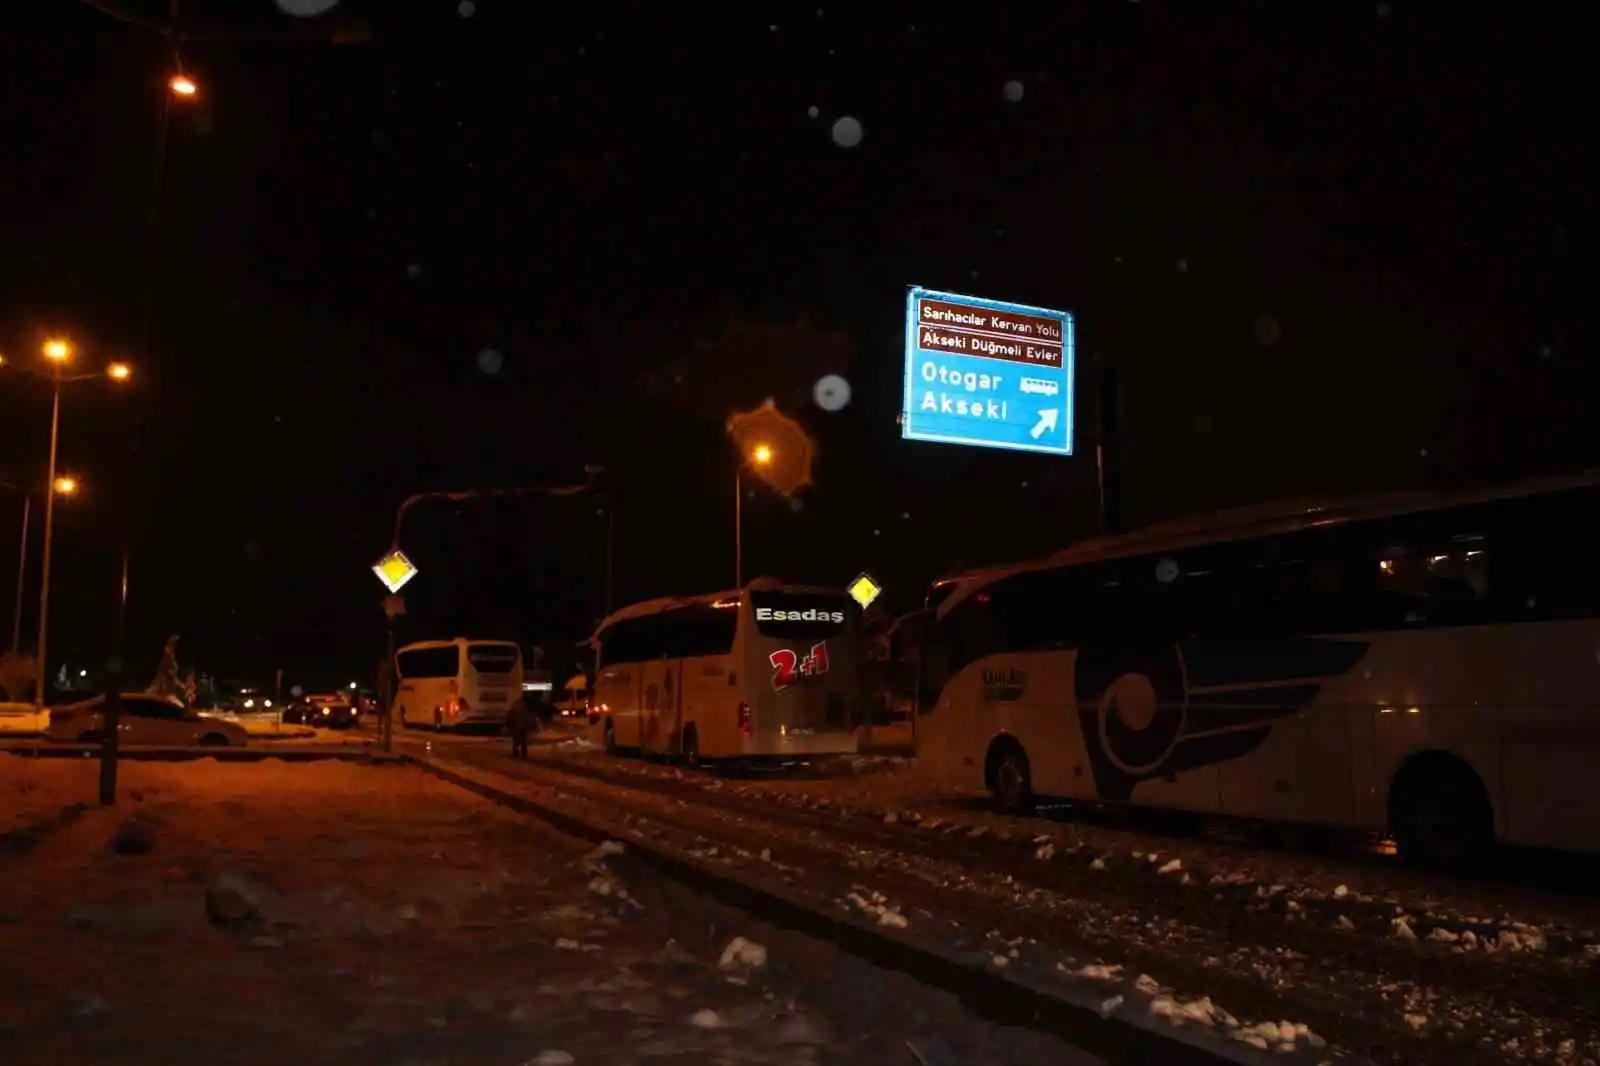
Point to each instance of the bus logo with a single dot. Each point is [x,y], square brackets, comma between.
[789,669]
[1004,686]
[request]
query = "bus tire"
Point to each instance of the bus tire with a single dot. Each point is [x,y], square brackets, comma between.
[1008,776]
[689,746]
[405,723]
[438,721]
[610,738]
[1439,813]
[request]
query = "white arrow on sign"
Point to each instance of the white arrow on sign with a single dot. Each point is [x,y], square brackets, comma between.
[1046,423]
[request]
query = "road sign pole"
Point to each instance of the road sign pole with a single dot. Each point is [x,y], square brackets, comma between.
[386,722]
[1108,451]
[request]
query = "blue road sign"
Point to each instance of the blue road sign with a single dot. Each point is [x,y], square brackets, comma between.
[987,374]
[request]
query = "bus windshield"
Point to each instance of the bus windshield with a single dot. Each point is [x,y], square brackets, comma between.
[493,658]
[429,662]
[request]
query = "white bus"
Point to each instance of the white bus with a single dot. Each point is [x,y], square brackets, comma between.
[446,683]
[764,671]
[1427,664]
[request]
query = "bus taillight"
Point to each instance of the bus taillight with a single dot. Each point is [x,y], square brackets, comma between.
[744,719]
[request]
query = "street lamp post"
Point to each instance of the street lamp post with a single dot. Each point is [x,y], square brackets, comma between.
[111,712]
[760,455]
[57,353]
[22,573]
[67,486]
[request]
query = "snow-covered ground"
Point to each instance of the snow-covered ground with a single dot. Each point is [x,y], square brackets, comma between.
[874,788]
[334,913]
[1165,932]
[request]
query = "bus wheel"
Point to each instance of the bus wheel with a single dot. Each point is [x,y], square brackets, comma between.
[1009,777]
[1439,813]
[405,723]
[689,746]
[438,721]
[610,735]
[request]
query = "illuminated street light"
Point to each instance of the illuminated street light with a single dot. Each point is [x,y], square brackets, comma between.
[761,454]
[58,352]
[183,86]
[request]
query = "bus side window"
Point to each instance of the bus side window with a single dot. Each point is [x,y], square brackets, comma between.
[691,632]
[1543,565]
[1439,583]
[1323,582]
[632,640]
[1044,610]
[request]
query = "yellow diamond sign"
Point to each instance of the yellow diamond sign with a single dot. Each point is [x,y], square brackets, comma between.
[864,590]
[394,570]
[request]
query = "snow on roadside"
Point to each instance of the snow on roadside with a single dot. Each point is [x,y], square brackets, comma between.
[1197,950]
[1494,929]
[876,905]
[1466,1013]
[1145,994]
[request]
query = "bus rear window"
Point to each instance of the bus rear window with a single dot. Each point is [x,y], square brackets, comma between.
[429,662]
[492,658]
[799,615]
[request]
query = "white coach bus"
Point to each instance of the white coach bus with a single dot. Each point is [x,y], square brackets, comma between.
[459,682]
[1427,664]
[764,671]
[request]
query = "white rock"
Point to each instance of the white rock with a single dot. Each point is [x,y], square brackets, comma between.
[705,1019]
[742,954]
[551,1057]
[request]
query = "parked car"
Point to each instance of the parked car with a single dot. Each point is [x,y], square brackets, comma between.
[331,711]
[145,719]
[22,719]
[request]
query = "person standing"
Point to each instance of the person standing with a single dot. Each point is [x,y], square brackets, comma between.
[519,723]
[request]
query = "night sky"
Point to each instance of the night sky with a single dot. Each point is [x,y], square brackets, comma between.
[1329,248]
